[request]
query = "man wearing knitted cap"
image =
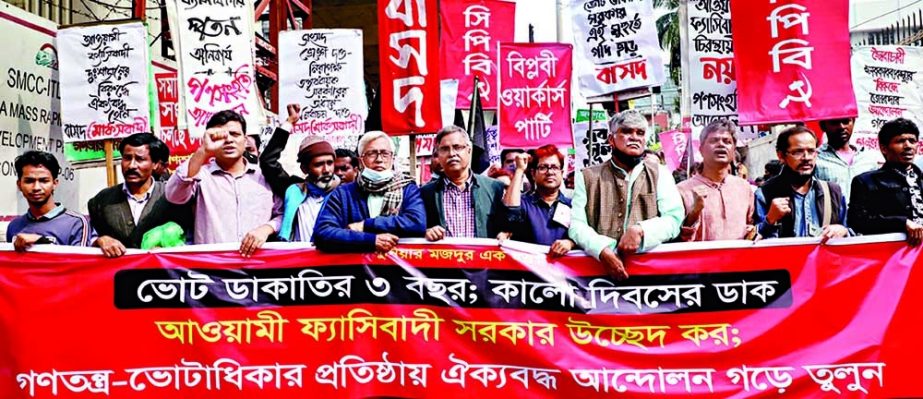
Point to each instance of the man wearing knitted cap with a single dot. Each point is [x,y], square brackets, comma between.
[373,212]
[233,201]
[303,196]
[627,204]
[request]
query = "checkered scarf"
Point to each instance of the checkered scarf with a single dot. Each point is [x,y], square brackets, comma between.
[393,191]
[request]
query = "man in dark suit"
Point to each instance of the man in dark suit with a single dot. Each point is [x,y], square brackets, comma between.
[121,214]
[890,199]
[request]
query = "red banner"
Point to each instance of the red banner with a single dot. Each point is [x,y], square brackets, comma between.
[792,60]
[180,143]
[463,321]
[535,83]
[408,34]
[470,31]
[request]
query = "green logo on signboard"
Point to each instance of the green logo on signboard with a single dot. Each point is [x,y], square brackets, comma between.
[47,56]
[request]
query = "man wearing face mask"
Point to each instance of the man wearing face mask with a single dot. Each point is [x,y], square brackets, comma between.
[626,205]
[373,212]
[303,197]
[795,203]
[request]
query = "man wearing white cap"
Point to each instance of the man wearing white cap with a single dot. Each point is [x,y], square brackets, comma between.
[304,197]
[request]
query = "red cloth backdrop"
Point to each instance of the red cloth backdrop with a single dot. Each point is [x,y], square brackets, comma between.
[792,60]
[473,321]
[471,30]
[535,97]
[408,34]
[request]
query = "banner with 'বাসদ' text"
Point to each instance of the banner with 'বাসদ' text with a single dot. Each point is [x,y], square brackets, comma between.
[476,320]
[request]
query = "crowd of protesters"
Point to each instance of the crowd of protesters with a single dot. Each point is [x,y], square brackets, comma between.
[356,201]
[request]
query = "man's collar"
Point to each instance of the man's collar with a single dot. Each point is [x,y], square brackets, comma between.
[212,167]
[58,210]
[827,148]
[468,183]
[147,194]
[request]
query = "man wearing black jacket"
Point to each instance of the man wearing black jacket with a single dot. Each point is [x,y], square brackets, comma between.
[890,199]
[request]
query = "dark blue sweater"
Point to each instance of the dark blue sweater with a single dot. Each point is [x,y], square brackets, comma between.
[347,204]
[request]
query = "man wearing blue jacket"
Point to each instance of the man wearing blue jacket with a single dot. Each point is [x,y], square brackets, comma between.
[373,212]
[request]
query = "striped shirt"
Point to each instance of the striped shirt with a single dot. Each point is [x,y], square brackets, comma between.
[832,168]
[459,209]
[62,226]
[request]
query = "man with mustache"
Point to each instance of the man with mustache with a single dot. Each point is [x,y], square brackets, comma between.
[890,199]
[543,215]
[718,204]
[303,197]
[233,201]
[796,203]
[121,214]
[46,221]
[627,204]
[840,162]
[373,212]
[461,203]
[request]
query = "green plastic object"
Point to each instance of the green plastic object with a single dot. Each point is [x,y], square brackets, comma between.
[169,235]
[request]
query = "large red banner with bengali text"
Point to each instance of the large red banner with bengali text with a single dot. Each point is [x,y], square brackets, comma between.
[471,30]
[535,96]
[408,34]
[791,59]
[479,321]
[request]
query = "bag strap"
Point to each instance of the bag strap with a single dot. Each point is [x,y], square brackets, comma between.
[828,206]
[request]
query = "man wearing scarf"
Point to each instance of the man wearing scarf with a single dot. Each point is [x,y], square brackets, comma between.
[626,205]
[304,197]
[796,203]
[373,212]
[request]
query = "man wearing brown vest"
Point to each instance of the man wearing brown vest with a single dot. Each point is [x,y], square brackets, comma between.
[627,204]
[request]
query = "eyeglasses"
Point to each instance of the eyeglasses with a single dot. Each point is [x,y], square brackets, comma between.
[803,153]
[371,155]
[548,168]
[458,148]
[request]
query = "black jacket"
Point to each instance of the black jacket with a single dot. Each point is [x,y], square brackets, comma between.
[880,201]
[110,215]
[279,180]
[780,187]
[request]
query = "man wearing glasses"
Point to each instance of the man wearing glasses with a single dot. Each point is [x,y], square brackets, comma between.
[795,203]
[373,212]
[461,204]
[543,215]
[626,205]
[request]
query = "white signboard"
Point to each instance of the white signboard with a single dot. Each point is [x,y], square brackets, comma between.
[712,83]
[887,81]
[104,81]
[214,46]
[30,116]
[322,70]
[616,45]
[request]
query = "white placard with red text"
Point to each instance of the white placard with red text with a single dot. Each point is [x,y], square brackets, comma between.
[888,85]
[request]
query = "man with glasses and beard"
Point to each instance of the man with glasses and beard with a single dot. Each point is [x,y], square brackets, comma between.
[626,205]
[376,210]
[840,162]
[303,197]
[796,203]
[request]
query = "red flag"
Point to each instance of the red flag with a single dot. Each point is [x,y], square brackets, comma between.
[409,63]
[535,82]
[471,30]
[792,60]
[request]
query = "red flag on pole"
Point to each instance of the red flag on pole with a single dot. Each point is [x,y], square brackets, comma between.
[792,60]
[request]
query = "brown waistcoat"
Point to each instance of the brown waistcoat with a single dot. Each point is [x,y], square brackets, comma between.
[607,192]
